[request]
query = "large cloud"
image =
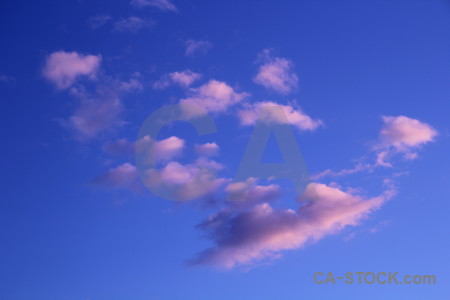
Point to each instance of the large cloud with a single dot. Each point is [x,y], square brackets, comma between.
[64,68]
[271,112]
[276,74]
[262,232]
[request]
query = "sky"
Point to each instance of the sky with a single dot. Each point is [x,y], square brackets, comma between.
[167,149]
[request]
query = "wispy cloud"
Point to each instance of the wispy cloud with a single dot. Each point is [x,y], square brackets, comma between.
[98,21]
[197,47]
[276,73]
[65,68]
[132,24]
[6,78]
[164,5]
[270,112]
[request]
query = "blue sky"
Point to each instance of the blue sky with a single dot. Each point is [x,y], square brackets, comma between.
[362,85]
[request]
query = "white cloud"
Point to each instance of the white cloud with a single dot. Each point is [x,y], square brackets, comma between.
[271,112]
[183,78]
[164,5]
[65,68]
[132,24]
[194,47]
[214,96]
[276,74]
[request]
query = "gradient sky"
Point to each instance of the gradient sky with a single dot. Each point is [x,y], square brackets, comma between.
[364,87]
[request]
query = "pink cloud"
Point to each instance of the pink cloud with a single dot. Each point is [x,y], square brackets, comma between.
[402,135]
[65,68]
[276,74]
[249,192]
[124,176]
[185,182]
[262,111]
[162,150]
[214,96]
[184,79]
[262,232]
[208,149]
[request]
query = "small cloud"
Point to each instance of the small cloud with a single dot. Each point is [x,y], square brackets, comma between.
[214,96]
[276,73]
[6,79]
[160,151]
[164,5]
[65,68]
[124,176]
[99,21]
[132,24]
[402,135]
[184,79]
[270,112]
[185,182]
[208,149]
[194,47]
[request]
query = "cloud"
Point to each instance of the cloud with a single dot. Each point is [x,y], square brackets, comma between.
[249,192]
[214,96]
[119,147]
[208,149]
[194,47]
[184,79]
[330,173]
[65,68]
[160,151]
[276,74]
[124,176]
[185,182]
[402,135]
[132,24]
[99,21]
[262,232]
[164,5]
[271,112]
[6,79]
[99,110]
